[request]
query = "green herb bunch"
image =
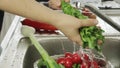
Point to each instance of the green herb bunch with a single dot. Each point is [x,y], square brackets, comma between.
[91,34]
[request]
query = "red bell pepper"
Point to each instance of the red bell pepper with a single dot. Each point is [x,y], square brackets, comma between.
[39,25]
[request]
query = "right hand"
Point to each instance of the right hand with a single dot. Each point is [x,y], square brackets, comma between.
[70,25]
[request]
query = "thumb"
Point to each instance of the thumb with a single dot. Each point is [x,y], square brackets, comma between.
[58,2]
[88,22]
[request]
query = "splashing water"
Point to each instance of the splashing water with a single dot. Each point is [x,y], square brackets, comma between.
[99,57]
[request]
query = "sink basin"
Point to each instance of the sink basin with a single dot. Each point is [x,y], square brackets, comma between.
[53,45]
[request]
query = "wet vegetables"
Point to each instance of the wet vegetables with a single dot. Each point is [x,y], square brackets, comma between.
[68,60]
[77,60]
[92,35]
[68,9]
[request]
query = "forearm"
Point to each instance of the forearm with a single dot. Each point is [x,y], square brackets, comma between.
[30,9]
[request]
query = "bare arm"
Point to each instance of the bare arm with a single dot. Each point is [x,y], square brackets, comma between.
[31,9]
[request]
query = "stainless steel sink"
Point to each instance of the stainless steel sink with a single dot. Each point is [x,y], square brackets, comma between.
[53,45]
[20,52]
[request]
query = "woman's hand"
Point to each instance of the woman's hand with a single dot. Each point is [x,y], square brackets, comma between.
[70,27]
[55,4]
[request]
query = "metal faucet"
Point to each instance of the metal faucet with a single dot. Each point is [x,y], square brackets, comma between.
[106,0]
[104,17]
[78,5]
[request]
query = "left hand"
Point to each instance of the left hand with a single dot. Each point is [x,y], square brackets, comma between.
[56,4]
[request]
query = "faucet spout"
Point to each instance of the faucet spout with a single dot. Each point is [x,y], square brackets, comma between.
[103,16]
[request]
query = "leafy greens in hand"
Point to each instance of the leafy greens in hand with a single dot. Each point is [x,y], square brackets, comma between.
[90,34]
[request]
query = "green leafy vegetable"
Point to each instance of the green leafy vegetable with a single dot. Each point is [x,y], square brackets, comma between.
[91,34]
[48,61]
[42,64]
[61,66]
[68,9]
[76,66]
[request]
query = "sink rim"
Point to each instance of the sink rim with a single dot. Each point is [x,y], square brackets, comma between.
[114,39]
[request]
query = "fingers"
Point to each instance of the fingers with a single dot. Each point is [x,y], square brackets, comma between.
[55,4]
[88,22]
[77,39]
[74,35]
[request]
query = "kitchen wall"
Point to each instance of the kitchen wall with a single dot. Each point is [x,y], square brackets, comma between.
[118,1]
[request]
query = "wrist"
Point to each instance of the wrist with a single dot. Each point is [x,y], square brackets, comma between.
[56,19]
